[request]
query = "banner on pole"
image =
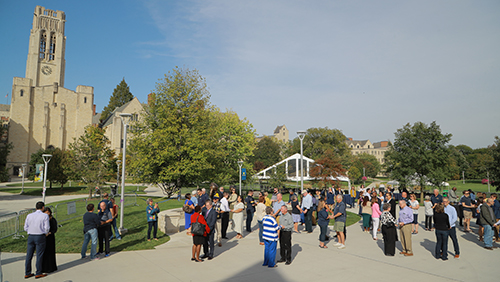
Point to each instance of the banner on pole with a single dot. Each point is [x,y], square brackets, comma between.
[243,174]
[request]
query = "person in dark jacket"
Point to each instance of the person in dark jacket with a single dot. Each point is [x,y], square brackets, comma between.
[49,256]
[211,219]
[441,225]
[104,230]
[488,222]
[90,224]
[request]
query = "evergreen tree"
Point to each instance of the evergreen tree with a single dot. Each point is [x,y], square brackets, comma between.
[121,96]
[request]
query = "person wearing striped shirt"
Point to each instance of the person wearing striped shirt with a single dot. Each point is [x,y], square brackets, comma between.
[270,236]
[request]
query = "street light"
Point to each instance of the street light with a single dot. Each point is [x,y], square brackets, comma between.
[301,134]
[118,162]
[24,171]
[240,163]
[46,160]
[125,117]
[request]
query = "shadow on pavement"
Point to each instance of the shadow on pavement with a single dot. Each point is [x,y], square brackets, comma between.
[429,246]
[14,259]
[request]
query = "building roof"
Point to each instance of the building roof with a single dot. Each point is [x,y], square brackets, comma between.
[109,119]
[96,118]
[4,108]
[278,129]
[361,143]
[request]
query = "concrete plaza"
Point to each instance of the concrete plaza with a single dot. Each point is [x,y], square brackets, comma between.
[241,260]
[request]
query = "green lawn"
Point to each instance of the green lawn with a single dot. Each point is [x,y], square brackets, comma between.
[56,191]
[474,185]
[69,237]
[351,219]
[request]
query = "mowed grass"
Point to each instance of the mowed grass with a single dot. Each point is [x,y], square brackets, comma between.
[35,189]
[474,185]
[69,237]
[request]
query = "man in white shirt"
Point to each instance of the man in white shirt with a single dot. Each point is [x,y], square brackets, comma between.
[306,208]
[37,225]
[224,208]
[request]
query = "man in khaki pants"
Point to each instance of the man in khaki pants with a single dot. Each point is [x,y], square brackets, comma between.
[405,219]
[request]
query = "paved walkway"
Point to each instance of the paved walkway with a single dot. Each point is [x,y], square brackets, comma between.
[241,260]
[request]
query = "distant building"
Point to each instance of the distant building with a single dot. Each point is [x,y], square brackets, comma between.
[42,112]
[281,133]
[114,127]
[365,146]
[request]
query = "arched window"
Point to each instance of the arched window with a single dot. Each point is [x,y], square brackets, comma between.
[21,92]
[52,47]
[357,147]
[43,43]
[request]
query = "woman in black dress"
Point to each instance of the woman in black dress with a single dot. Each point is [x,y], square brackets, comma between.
[49,256]
[388,230]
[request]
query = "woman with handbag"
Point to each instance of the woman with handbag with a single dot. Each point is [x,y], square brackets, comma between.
[388,230]
[188,209]
[200,230]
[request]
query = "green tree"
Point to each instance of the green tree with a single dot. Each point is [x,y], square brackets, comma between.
[121,95]
[368,162]
[170,143]
[419,151]
[266,153]
[495,164]
[4,152]
[458,162]
[318,140]
[230,139]
[91,158]
[57,168]
[354,174]
[327,168]
[277,177]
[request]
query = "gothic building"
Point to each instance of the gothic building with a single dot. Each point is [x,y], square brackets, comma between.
[42,111]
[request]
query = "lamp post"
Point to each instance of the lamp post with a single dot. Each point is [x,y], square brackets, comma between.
[46,160]
[301,134]
[125,117]
[118,163]
[240,163]
[24,171]
[364,177]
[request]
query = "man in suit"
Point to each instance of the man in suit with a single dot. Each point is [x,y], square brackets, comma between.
[389,200]
[211,219]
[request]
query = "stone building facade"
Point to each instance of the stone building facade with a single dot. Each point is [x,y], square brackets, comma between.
[114,127]
[365,146]
[42,111]
[281,133]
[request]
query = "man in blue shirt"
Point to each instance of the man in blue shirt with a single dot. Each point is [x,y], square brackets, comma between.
[452,216]
[496,211]
[436,198]
[91,222]
[306,209]
[467,205]
[405,220]
[340,218]
[277,206]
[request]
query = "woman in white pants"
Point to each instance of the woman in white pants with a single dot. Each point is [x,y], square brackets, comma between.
[375,216]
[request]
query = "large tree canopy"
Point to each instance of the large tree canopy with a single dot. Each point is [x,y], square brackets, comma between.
[318,140]
[121,95]
[181,139]
[419,151]
[266,153]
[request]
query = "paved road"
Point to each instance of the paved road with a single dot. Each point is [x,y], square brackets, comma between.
[241,260]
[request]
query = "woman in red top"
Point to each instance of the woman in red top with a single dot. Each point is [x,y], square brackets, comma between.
[197,239]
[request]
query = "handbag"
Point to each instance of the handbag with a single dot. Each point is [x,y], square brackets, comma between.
[198,228]
[187,209]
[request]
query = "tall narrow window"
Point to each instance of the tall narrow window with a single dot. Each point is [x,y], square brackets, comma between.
[85,100]
[52,50]
[21,92]
[43,43]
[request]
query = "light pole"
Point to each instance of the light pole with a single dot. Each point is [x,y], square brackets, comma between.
[364,177]
[24,171]
[46,160]
[118,162]
[125,117]
[240,163]
[301,134]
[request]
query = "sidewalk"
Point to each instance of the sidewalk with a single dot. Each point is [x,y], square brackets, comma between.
[241,260]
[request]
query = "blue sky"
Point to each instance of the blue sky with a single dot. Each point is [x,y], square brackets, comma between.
[364,67]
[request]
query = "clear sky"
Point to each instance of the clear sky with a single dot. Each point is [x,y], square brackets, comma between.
[364,67]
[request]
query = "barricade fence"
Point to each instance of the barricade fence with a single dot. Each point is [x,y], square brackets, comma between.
[12,224]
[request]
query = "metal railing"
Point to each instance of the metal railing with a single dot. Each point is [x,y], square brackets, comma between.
[12,224]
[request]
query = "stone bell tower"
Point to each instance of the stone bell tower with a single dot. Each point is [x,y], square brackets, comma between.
[46,63]
[42,112]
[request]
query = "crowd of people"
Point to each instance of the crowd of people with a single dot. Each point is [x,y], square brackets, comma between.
[209,215]
[277,220]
